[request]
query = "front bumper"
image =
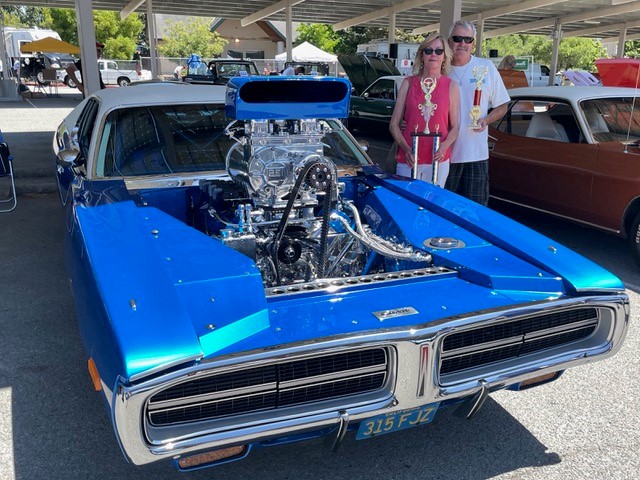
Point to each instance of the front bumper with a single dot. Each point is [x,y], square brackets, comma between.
[414,380]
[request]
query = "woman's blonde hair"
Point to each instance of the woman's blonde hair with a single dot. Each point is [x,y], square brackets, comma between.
[448,54]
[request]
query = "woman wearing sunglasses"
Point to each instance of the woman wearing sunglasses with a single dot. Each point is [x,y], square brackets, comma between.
[432,61]
[469,171]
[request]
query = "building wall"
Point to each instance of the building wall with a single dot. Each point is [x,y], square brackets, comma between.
[246,39]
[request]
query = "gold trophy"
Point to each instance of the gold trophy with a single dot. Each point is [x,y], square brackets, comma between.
[479,73]
[427,108]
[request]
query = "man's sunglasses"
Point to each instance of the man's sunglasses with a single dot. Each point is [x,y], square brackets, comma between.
[458,39]
[429,51]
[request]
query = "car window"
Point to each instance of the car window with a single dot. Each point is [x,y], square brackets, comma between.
[86,124]
[382,89]
[541,119]
[609,119]
[163,140]
[112,65]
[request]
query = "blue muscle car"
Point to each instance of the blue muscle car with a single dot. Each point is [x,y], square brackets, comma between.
[244,276]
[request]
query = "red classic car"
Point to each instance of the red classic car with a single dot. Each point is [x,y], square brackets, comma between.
[572,152]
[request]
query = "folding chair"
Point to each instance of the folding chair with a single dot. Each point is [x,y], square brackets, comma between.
[6,170]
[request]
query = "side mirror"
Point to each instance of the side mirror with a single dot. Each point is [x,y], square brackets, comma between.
[67,157]
[366,95]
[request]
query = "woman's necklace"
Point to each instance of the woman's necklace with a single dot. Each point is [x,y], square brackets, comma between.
[463,73]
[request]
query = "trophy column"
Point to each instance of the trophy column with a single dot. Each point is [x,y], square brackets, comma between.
[427,108]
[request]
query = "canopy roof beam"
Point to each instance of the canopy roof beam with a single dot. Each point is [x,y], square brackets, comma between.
[496,12]
[268,11]
[575,18]
[382,12]
[131,7]
[602,28]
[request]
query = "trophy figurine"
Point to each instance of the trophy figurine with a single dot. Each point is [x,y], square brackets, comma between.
[479,73]
[427,108]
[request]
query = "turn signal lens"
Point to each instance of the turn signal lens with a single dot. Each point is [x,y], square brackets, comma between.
[95,376]
[532,382]
[193,461]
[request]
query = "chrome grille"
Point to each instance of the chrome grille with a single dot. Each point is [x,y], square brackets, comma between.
[508,340]
[270,387]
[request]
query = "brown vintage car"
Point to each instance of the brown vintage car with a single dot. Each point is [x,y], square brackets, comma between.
[572,152]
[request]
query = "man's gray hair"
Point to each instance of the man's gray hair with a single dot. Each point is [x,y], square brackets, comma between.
[464,24]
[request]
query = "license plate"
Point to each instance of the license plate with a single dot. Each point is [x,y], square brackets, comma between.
[392,422]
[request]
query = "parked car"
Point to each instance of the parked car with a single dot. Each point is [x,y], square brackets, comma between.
[219,71]
[376,82]
[310,68]
[572,152]
[114,73]
[36,65]
[245,276]
[373,109]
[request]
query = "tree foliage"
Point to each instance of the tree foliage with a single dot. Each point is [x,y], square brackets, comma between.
[632,49]
[194,35]
[318,34]
[573,52]
[21,16]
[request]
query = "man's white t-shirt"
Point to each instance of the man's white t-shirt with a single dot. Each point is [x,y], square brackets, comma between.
[289,71]
[471,145]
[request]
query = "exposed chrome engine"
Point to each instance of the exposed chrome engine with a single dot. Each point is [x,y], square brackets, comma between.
[286,209]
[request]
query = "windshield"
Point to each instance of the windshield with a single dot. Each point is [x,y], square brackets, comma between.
[610,119]
[171,139]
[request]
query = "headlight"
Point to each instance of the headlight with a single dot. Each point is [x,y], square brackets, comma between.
[55,65]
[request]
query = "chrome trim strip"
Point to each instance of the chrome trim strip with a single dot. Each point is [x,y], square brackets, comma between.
[403,346]
[335,284]
[552,332]
[459,352]
[213,397]
[565,217]
[334,377]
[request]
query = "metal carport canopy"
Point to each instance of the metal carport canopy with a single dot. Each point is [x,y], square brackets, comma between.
[611,19]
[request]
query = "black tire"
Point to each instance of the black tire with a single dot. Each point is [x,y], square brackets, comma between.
[40,78]
[124,81]
[69,82]
[634,238]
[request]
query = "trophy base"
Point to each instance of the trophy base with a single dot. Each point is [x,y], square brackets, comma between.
[475,127]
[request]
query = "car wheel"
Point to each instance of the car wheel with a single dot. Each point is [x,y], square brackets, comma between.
[634,238]
[69,82]
[40,78]
[123,81]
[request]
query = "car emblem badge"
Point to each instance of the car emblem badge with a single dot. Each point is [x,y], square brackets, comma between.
[395,312]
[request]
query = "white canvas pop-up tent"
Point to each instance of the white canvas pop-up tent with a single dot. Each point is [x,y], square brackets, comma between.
[306,52]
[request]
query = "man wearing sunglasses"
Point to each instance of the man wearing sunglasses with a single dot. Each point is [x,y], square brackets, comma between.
[469,169]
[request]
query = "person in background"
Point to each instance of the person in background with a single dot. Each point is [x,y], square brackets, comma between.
[289,70]
[469,173]
[77,67]
[177,72]
[507,63]
[299,71]
[432,61]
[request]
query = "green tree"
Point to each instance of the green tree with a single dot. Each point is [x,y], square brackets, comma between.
[632,49]
[63,21]
[119,48]
[22,16]
[318,34]
[118,36]
[194,35]
[573,52]
[351,37]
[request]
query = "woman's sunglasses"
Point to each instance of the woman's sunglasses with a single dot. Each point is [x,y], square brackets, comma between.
[458,39]
[429,51]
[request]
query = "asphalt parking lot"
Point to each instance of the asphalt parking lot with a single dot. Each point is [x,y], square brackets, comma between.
[53,425]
